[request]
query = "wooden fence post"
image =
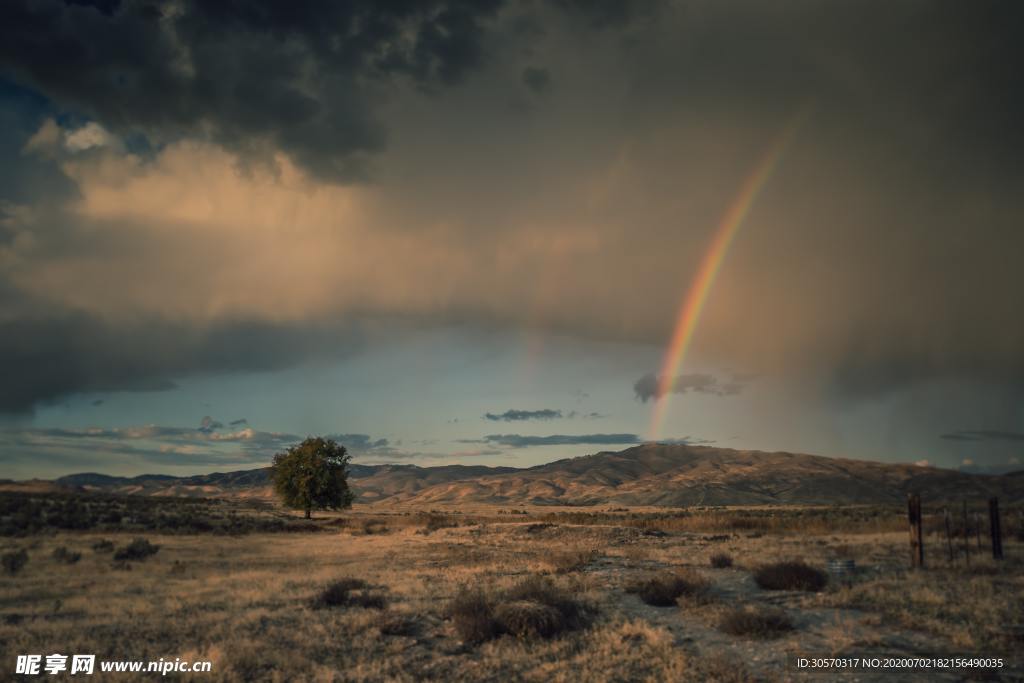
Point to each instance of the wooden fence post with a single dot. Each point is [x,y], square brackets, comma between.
[916,538]
[949,536]
[967,535]
[997,532]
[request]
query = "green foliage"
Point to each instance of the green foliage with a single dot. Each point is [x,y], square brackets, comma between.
[313,476]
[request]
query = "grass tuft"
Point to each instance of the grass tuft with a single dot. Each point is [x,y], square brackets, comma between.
[138,549]
[665,589]
[103,546]
[755,623]
[13,562]
[533,608]
[62,554]
[721,560]
[348,592]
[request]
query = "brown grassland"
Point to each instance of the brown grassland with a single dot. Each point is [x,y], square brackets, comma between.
[525,595]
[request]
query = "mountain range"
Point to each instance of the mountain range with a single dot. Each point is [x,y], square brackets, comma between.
[647,475]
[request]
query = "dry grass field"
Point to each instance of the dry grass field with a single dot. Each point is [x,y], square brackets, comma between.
[485,595]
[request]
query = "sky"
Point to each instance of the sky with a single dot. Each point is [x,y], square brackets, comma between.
[506,232]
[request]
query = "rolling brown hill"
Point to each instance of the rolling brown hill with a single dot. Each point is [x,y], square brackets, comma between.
[647,475]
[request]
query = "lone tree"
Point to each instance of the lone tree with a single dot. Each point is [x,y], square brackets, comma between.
[312,476]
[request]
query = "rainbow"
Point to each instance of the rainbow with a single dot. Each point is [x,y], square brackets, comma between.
[710,265]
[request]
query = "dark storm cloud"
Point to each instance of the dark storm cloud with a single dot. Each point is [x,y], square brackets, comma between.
[304,77]
[513,415]
[527,441]
[45,356]
[882,254]
[208,424]
[167,446]
[522,441]
[983,435]
[358,443]
[536,79]
[648,386]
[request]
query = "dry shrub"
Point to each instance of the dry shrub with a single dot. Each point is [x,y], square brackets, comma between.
[665,589]
[103,546]
[138,549]
[569,561]
[373,527]
[542,590]
[62,554]
[13,562]
[721,560]
[399,625]
[528,619]
[791,576]
[755,623]
[348,592]
[472,615]
[533,608]
[434,522]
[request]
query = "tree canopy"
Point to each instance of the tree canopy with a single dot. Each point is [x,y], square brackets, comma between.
[313,476]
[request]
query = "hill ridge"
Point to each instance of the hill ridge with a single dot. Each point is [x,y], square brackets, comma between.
[649,474]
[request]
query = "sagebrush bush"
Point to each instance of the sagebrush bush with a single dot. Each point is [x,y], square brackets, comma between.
[755,623]
[374,526]
[13,562]
[435,522]
[103,546]
[791,576]
[62,554]
[472,615]
[542,590]
[399,625]
[568,561]
[665,589]
[721,560]
[533,608]
[528,619]
[348,592]
[138,549]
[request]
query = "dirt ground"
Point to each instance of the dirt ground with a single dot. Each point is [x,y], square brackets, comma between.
[245,603]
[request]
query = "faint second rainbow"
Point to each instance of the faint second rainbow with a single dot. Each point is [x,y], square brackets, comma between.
[696,296]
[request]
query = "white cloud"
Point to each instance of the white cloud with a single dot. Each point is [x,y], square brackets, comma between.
[88,136]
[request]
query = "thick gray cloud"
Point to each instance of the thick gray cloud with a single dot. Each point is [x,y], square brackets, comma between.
[983,435]
[648,386]
[513,415]
[358,443]
[48,354]
[162,448]
[523,441]
[526,441]
[882,254]
[304,78]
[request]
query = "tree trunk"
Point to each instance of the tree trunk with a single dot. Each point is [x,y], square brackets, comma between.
[308,516]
